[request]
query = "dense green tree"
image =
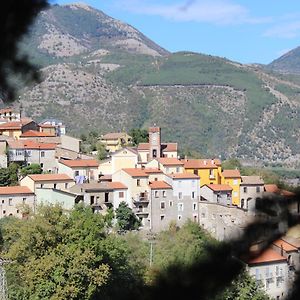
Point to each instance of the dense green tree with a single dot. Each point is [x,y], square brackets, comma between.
[126,218]
[231,164]
[31,169]
[101,151]
[9,175]
[139,136]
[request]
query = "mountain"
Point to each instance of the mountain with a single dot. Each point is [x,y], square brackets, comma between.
[287,63]
[101,74]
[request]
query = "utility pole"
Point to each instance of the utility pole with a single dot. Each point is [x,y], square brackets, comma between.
[3,284]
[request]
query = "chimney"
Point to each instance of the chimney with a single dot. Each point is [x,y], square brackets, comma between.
[212,162]
[205,163]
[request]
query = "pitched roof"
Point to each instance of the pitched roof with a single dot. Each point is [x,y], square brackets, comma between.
[219,187]
[252,180]
[273,188]
[231,174]
[113,135]
[30,144]
[157,185]
[135,172]
[184,176]
[285,245]
[13,190]
[201,163]
[153,171]
[33,133]
[165,147]
[267,256]
[50,177]
[79,163]
[154,129]
[117,185]
[6,110]
[169,161]
[47,125]
[15,124]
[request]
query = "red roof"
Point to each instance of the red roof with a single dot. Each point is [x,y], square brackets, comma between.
[273,188]
[157,185]
[117,185]
[114,135]
[184,176]
[15,124]
[143,146]
[33,133]
[50,177]
[285,245]
[219,187]
[153,171]
[201,163]
[135,172]
[154,129]
[79,163]
[13,190]
[267,256]
[30,144]
[231,174]
[165,147]
[169,161]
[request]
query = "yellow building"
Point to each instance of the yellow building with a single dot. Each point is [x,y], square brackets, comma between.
[15,128]
[209,170]
[115,141]
[233,179]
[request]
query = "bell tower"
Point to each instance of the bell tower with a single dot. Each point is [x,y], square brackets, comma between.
[154,142]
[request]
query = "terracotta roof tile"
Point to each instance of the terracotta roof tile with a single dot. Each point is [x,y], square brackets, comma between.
[219,187]
[143,147]
[13,190]
[267,256]
[231,174]
[154,129]
[170,161]
[33,133]
[30,144]
[117,185]
[157,185]
[165,147]
[184,176]
[153,171]
[201,163]
[135,172]
[285,245]
[252,180]
[50,177]
[79,163]
[114,135]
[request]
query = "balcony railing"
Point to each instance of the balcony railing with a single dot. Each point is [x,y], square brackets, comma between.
[141,199]
[141,211]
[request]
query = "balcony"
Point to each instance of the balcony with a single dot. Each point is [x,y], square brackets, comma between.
[140,211]
[142,198]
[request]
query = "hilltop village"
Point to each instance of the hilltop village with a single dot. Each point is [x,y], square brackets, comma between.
[151,179]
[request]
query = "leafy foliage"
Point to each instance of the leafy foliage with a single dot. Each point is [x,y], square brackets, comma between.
[31,169]
[9,175]
[126,218]
[139,136]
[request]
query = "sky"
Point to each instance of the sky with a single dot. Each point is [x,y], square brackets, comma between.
[252,31]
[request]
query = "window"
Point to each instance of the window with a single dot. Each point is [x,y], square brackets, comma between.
[193,195]
[10,201]
[156,194]
[42,185]
[24,200]
[154,153]
[170,203]
[211,173]
[4,212]
[54,185]
[179,217]
[162,217]
[3,201]
[66,185]
[194,206]
[138,182]
[180,206]
[164,194]
[258,189]
[121,194]
[177,169]
[155,179]
[162,205]
[92,200]
[245,189]
[180,195]
[42,153]
[196,172]
[76,173]
[17,211]
[28,153]
[235,182]
[42,165]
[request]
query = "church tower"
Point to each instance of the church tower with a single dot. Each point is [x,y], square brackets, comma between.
[154,142]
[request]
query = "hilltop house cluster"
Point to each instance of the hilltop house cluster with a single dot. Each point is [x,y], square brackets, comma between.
[155,183]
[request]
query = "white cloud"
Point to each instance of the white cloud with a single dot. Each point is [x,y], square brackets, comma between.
[216,12]
[288,30]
